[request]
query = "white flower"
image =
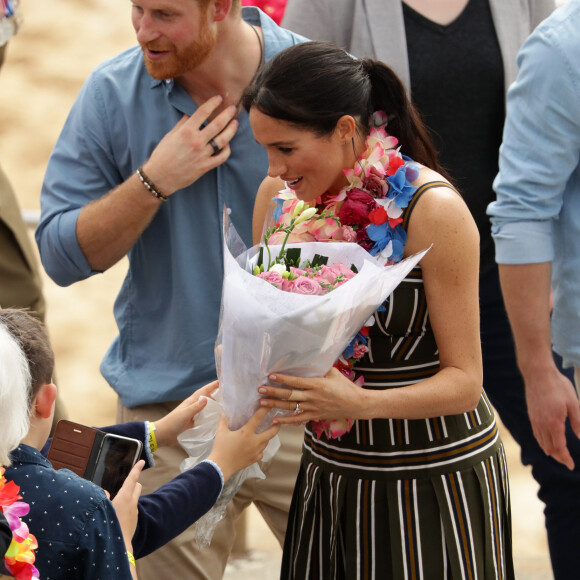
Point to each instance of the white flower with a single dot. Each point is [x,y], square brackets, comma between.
[305,215]
[298,208]
[279,268]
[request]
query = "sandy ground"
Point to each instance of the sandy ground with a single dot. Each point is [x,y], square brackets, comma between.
[60,42]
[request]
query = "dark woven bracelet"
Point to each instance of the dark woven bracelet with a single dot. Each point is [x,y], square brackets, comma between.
[150,186]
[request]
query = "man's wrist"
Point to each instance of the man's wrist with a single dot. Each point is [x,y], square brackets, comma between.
[535,367]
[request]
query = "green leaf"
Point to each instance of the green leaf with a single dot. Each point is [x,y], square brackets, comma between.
[261,256]
[293,257]
[319,260]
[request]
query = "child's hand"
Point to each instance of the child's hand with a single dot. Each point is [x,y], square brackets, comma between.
[234,450]
[182,417]
[125,502]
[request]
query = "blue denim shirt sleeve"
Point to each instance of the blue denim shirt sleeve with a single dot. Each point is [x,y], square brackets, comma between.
[540,150]
[94,154]
[81,169]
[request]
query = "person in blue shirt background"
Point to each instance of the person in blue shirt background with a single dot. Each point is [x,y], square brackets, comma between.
[168,108]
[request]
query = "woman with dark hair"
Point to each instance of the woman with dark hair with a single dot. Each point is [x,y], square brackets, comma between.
[417,488]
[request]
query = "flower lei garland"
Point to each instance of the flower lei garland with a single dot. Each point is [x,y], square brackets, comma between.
[367,211]
[19,559]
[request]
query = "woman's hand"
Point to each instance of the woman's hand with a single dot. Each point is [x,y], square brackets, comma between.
[330,397]
[183,416]
[234,450]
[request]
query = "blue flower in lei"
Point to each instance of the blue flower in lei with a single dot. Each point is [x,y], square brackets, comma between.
[278,208]
[400,188]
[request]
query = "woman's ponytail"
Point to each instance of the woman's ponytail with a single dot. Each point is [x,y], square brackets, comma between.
[388,94]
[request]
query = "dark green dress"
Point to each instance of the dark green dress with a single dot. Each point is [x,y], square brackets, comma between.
[424,499]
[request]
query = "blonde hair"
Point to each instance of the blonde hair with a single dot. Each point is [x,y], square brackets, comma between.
[15,385]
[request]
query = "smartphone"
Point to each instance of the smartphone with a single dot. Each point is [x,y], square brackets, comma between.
[117,455]
[103,458]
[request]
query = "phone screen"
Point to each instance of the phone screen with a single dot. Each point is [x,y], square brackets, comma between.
[116,458]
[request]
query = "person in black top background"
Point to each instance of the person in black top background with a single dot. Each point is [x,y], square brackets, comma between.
[458,59]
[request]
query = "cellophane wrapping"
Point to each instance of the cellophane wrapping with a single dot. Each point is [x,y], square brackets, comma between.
[265,330]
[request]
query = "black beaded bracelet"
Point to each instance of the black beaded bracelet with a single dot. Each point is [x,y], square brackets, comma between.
[149,185]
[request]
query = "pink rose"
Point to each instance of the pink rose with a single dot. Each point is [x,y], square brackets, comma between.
[304,285]
[347,234]
[344,270]
[297,271]
[328,274]
[273,278]
[331,273]
[356,208]
[287,285]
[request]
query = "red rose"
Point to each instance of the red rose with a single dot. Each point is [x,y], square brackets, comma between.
[363,240]
[356,208]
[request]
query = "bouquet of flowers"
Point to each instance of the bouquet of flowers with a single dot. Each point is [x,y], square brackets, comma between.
[265,329]
[314,277]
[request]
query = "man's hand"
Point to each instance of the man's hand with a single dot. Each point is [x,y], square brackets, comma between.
[183,416]
[551,399]
[550,396]
[185,153]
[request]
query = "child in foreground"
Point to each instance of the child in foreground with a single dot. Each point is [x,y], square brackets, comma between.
[80,532]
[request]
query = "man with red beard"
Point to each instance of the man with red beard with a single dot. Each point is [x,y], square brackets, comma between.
[153,147]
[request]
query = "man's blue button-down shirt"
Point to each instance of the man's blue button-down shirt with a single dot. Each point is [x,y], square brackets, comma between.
[168,308]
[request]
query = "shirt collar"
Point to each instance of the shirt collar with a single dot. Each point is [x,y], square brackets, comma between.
[254,16]
[27,454]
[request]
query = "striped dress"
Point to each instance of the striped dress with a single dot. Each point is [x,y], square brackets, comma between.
[417,499]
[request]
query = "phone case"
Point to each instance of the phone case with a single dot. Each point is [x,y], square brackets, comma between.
[75,447]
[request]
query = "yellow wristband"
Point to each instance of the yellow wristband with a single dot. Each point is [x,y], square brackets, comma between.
[152,438]
[131,558]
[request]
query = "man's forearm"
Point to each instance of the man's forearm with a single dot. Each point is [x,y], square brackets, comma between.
[526,290]
[109,227]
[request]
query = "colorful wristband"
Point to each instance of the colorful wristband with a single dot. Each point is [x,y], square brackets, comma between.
[152,438]
[131,558]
